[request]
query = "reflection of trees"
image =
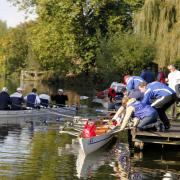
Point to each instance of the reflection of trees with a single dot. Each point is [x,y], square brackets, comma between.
[157,163]
[150,164]
[5,129]
[102,172]
[44,162]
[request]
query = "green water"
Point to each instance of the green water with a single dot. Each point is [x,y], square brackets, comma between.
[42,153]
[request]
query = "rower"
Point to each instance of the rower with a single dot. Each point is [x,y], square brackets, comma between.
[4,99]
[45,99]
[32,99]
[17,99]
[60,98]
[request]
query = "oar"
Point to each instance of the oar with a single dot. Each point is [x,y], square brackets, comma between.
[60,114]
[70,133]
[64,107]
[105,111]
[54,111]
[115,131]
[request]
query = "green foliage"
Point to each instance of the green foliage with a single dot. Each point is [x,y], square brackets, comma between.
[3,28]
[135,4]
[15,50]
[124,53]
[3,32]
[68,33]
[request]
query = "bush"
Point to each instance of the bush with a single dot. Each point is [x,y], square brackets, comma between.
[124,53]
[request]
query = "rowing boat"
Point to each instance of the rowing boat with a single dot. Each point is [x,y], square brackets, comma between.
[8,116]
[103,134]
[107,104]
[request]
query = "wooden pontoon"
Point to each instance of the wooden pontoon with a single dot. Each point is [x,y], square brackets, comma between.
[171,137]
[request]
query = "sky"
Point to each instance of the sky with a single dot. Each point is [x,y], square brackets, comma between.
[11,14]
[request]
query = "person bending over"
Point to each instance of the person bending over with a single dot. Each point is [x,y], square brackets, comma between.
[159,96]
[142,116]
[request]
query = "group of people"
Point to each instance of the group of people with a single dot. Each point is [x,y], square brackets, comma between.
[16,101]
[144,102]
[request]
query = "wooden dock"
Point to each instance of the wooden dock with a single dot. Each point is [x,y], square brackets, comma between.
[172,137]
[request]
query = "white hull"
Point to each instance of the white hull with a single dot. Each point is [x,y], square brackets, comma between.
[104,102]
[92,144]
[12,116]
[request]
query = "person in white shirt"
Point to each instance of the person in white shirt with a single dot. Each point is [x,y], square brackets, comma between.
[173,81]
[173,77]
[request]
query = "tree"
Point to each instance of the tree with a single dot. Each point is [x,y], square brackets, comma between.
[3,32]
[15,49]
[124,53]
[68,32]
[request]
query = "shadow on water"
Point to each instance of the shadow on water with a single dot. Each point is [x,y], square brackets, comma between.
[4,130]
[157,162]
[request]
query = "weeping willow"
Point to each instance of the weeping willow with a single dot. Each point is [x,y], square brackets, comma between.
[160,19]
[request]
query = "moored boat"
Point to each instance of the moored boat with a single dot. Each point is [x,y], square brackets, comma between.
[102,135]
[8,116]
[115,92]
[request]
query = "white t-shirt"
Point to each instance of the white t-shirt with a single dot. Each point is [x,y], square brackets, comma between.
[174,79]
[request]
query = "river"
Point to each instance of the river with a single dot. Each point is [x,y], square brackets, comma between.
[41,152]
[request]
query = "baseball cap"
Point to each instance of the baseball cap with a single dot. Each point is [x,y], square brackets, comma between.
[60,90]
[5,89]
[19,89]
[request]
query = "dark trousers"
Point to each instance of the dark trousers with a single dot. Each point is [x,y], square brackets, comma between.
[162,105]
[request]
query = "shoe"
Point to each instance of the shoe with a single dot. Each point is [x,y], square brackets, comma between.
[167,126]
[160,128]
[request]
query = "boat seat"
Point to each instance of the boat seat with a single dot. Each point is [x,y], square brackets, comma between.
[101,130]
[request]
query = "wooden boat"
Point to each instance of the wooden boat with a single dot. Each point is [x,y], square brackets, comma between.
[12,116]
[104,134]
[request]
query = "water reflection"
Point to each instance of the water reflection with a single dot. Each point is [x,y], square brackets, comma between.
[40,152]
[157,163]
[45,154]
[87,165]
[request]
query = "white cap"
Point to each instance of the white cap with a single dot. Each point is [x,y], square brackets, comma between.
[5,89]
[19,89]
[60,90]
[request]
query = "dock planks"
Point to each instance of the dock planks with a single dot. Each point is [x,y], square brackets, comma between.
[171,137]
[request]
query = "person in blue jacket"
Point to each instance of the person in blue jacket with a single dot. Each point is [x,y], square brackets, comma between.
[132,83]
[4,99]
[143,117]
[17,99]
[160,96]
[147,75]
[32,99]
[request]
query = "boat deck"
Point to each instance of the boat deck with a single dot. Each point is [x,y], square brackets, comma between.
[171,137]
